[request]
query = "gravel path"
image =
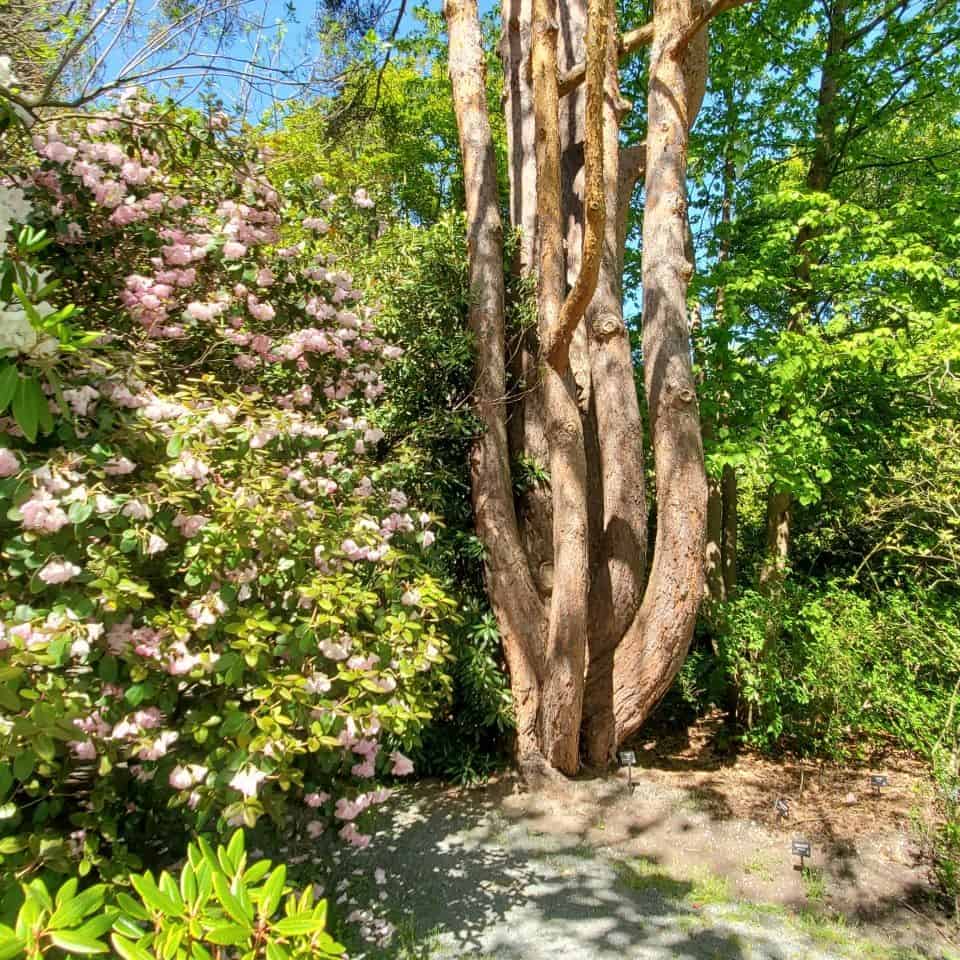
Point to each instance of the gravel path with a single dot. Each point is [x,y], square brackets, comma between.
[474,875]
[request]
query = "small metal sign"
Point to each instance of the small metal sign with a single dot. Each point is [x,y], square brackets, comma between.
[878,780]
[802,849]
[627,759]
[782,807]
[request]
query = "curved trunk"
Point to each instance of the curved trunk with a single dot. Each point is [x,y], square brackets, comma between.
[514,599]
[653,649]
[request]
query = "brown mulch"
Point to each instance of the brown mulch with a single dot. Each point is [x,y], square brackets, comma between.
[833,800]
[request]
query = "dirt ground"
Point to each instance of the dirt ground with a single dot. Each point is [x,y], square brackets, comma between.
[687,857]
[693,807]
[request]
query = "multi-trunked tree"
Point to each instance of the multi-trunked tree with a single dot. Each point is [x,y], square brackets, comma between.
[593,633]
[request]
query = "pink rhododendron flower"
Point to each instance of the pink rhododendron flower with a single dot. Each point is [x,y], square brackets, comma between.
[155,544]
[261,310]
[9,463]
[332,650]
[317,683]
[190,526]
[136,510]
[362,199]
[42,512]
[83,749]
[188,467]
[247,780]
[401,765]
[364,770]
[315,828]
[352,835]
[158,748]
[233,250]
[316,799]
[58,571]
[185,777]
[82,399]
[119,466]
[429,537]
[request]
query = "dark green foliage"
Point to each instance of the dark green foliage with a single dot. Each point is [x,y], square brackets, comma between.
[421,281]
[824,670]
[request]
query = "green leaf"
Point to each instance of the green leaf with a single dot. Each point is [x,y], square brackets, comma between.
[74,909]
[257,872]
[23,764]
[229,901]
[228,934]
[200,952]
[67,891]
[235,848]
[8,385]
[28,402]
[75,943]
[152,897]
[272,892]
[276,952]
[129,950]
[80,511]
[10,944]
[13,844]
[127,927]
[298,925]
[130,906]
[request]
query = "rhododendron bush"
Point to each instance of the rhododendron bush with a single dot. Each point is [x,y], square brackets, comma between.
[216,602]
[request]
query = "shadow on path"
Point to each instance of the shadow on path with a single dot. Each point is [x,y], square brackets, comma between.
[463,880]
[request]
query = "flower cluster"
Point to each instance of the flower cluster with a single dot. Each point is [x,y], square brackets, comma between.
[217,600]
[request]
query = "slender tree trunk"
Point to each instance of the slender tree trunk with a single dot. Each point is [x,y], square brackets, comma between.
[515,601]
[730,531]
[652,651]
[721,553]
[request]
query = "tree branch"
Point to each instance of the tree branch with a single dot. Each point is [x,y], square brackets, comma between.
[706,15]
[598,49]
[627,43]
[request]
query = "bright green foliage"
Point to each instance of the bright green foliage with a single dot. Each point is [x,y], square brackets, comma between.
[395,135]
[829,672]
[218,901]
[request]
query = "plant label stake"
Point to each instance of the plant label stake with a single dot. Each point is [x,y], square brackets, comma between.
[878,781]
[802,849]
[627,759]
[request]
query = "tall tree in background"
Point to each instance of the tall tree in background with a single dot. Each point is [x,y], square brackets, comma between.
[593,634]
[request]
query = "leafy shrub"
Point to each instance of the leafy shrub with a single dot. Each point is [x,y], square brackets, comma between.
[824,669]
[219,901]
[218,603]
